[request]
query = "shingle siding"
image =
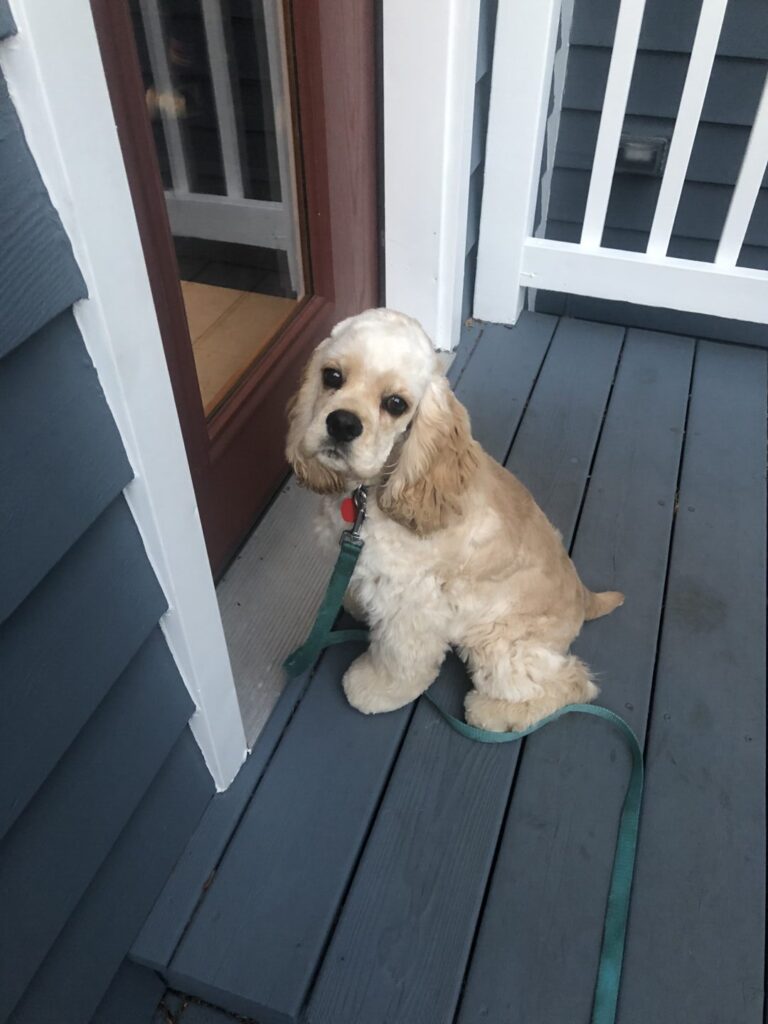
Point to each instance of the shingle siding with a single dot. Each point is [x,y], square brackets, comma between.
[38,274]
[101,782]
[657,83]
[60,447]
[7,25]
[91,946]
[484,62]
[671,26]
[65,646]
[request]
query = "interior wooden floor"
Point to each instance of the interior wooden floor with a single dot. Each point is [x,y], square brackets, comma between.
[229,330]
[385,870]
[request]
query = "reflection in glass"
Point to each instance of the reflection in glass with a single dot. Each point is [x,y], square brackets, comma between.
[217,91]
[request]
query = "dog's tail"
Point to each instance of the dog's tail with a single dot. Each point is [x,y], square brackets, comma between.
[597,605]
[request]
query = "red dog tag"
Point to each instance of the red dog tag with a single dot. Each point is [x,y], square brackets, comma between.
[348,511]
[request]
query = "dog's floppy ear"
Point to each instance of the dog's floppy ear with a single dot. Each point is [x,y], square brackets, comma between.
[308,471]
[433,465]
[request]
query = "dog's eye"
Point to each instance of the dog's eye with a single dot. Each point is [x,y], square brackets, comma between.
[394,405]
[332,378]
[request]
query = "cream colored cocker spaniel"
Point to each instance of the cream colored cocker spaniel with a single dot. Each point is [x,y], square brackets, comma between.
[457,552]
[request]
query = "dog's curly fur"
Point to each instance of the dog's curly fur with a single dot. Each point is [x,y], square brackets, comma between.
[457,553]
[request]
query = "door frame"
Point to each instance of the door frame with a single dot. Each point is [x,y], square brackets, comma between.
[55,74]
[334,70]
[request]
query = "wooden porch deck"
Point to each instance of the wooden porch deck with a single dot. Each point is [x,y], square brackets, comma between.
[387,871]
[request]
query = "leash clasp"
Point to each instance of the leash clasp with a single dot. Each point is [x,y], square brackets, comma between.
[360,499]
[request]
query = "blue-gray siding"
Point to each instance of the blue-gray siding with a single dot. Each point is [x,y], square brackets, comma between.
[60,447]
[729,109]
[101,782]
[38,274]
[7,26]
[670,27]
[104,590]
[94,941]
[487,28]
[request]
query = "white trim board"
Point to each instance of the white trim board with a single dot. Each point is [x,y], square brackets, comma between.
[56,80]
[689,285]
[522,73]
[430,57]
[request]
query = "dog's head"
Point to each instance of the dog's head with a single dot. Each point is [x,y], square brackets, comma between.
[374,408]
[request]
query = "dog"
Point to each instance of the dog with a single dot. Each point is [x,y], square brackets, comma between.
[456,551]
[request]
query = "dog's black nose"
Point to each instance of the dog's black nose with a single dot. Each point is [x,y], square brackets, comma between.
[343,425]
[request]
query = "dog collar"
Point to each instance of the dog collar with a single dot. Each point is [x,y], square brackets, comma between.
[353,510]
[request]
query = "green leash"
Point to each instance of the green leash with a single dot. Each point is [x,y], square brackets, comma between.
[619,893]
[323,635]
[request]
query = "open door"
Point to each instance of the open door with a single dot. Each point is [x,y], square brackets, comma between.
[248,129]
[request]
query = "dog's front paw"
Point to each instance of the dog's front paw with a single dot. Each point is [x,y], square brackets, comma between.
[369,691]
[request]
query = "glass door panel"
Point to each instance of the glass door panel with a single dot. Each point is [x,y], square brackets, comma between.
[217,89]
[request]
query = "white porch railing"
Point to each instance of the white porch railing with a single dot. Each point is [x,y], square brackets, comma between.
[510,259]
[230,217]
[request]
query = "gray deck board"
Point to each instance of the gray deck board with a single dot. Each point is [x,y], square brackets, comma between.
[539,940]
[471,333]
[261,929]
[514,357]
[162,931]
[423,875]
[387,870]
[554,448]
[421,879]
[701,860]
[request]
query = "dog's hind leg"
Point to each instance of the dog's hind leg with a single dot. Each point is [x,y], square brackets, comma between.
[515,692]
[490,713]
